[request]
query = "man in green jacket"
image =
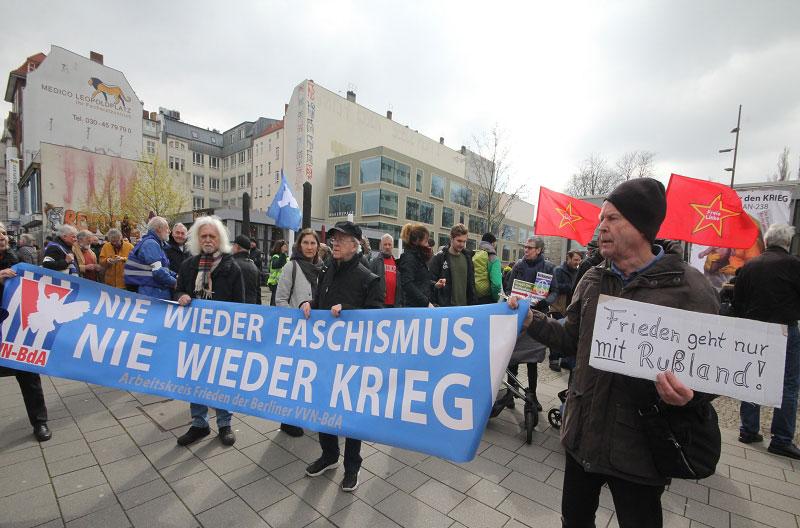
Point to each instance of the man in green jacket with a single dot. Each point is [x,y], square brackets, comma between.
[488,275]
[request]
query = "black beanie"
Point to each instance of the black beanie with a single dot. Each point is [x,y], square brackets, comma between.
[643,202]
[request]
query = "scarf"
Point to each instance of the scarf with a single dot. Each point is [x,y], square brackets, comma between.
[310,269]
[202,284]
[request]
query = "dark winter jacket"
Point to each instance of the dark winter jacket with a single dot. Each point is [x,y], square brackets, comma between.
[350,284]
[226,280]
[564,277]
[377,267]
[7,259]
[55,257]
[416,280]
[601,430]
[440,268]
[176,254]
[767,288]
[250,277]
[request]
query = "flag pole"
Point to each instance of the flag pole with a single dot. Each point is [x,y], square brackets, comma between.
[736,145]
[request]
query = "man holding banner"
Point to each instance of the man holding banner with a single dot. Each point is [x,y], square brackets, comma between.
[767,289]
[603,441]
[210,274]
[347,285]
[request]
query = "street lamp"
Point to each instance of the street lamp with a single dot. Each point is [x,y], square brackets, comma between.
[735,148]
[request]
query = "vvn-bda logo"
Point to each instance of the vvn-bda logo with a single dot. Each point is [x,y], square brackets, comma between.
[42,309]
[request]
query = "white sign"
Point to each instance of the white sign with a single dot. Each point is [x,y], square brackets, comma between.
[75,102]
[767,206]
[740,358]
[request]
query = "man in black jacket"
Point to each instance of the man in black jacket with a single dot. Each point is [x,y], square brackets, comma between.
[210,274]
[346,285]
[30,383]
[250,277]
[58,254]
[767,289]
[176,250]
[386,268]
[453,271]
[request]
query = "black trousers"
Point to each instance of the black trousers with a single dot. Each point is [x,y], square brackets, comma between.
[31,386]
[352,451]
[273,288]
[637,505]
[533,376]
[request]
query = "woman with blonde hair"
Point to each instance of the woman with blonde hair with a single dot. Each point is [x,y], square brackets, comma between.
[415,278]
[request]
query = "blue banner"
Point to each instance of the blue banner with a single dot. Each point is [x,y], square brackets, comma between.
[414,378]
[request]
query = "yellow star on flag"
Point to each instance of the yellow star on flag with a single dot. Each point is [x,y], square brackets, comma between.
[712,215]
[568,217]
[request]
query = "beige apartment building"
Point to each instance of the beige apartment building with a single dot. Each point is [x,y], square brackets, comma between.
[267,165]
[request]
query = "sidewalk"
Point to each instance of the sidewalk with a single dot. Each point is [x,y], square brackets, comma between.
[113,462]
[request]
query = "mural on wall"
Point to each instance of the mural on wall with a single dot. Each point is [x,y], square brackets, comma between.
[55,216]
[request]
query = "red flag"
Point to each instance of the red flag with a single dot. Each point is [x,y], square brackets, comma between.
[565,216]
[706,213]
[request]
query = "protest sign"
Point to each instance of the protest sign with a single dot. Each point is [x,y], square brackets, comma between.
[415,378]
[739,358]
[767,206]
[533,290]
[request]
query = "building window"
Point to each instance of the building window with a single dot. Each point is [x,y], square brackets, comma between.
[483,202]
[277,176]
[378,201]
[508,232]
[419,180]
[461,217]
[249,178]
[370,170]
[225,185]
[437,186]
[241,156]
[444,240]
[447,217]
[477,224]
[241,181]
[506,253]
[198,202]
[249,154]
[341,204]
[241,134]
[176,163]
[402,175]
[198,181]
[225,164]
[419,211]
[522,237]
[460,194]
[151,147]
[277,153]
[233,183]
[269,167]
[213,162]
[194,134]
[198,158]
[471,244]
[213,202]
[341,175]
[213,184]
[171,144]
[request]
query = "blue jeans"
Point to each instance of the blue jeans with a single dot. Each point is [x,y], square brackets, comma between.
[200,416]
[785,418]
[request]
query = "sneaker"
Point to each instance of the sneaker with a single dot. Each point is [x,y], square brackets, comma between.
[226,435]
[350,481]
[320,466]
[790,451]
[750,438]
[292,430]
[193,435]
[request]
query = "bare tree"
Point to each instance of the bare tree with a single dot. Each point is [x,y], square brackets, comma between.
[593,177]
[156,190]
[636,164]
[783,165]
[488,173]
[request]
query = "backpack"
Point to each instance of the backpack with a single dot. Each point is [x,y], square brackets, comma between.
[480,264]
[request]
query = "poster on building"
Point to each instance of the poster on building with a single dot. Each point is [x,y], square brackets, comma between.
[76,102]
[740,358]
[767,206]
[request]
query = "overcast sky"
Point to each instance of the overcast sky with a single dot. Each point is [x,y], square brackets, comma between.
[562,79]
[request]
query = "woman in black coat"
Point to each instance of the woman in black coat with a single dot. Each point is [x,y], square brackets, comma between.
[416,279]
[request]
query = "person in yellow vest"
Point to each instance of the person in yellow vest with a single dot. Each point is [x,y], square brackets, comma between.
[488,276]
[113,256]
[277,260]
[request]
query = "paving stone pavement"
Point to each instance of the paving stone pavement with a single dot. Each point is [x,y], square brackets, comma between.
[113,462]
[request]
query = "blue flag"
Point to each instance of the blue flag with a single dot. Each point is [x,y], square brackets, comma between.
[284,209]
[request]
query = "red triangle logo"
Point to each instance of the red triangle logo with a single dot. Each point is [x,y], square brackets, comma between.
[30,296]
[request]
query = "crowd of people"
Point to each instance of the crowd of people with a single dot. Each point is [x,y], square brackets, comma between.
[604,446]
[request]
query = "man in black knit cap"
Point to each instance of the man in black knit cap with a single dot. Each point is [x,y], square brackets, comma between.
[603,443]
